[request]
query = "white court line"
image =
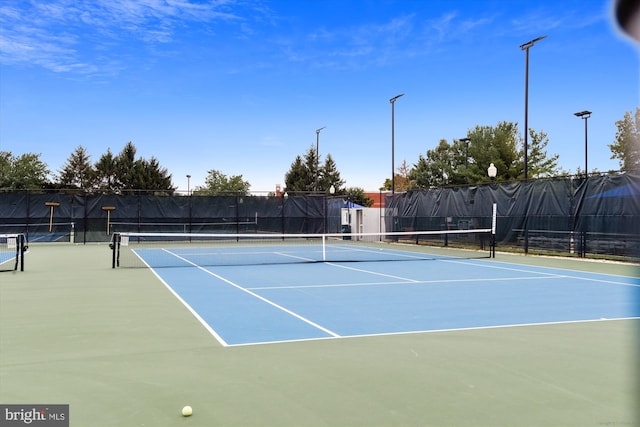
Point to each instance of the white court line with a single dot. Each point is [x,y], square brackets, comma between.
[405,279]
[186,304]
[433,331]
[253,294]
[568,276]
[405,282]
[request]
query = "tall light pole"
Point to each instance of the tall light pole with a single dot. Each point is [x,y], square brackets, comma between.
[393,133]
[585,116]
[466,161]
[526,48]
[318,154]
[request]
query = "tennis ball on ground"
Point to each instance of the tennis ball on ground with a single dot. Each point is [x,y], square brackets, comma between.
[187,411]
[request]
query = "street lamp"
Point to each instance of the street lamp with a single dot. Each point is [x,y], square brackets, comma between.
[318,154]
[393,167]
[585,116]
[526,47]
[188,185]
[492,171]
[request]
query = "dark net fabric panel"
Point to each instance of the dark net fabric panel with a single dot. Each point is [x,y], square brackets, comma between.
[599,215]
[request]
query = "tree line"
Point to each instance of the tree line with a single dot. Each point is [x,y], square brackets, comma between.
[465,161]
[111,174]
[461,162]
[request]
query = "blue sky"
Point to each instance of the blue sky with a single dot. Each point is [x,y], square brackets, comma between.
[241,86]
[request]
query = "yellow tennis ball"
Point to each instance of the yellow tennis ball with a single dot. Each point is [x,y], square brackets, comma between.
[187,411]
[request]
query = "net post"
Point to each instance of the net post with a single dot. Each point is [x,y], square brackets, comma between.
[115,249]
[494,216]
[23,249]
[324,248]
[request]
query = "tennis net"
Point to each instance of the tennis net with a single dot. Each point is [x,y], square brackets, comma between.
[12,249]
[200,249]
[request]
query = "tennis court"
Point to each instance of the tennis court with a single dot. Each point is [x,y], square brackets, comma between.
[430,340]
[285,302]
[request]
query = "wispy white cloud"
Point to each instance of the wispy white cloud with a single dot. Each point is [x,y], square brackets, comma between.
[350,46]
[66,35]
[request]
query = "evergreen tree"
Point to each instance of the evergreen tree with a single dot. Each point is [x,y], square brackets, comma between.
[302,174]
[125,166]
[311,161]
[298,178]
[330,176]
[306,176]
[105,168]
[498,145]
[434,169]
[140,174]
[540,164]
[78,171]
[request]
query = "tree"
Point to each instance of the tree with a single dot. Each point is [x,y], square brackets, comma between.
[330,176]
[302,174]
[305,176]
[140,174]
[497,145]
[105,168]
[218,183]
[311,162]
[77,172]
[626,147]
[466,161]
[125,166]
[24,172]
[540,164]
[402,182]
[358,196]
[297,178]
[151,176]
[434,169]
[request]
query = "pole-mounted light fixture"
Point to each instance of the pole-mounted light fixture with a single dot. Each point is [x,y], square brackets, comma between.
[393,162]
[585,116]
[318,154]
[526,46]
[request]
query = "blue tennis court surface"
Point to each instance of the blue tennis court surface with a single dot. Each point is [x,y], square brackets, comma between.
[6,257]
[255,304]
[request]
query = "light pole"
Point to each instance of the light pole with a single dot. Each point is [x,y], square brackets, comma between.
[188,185]
[526,47]
[466,160]
[585,116]
[393,162]
[318,154]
